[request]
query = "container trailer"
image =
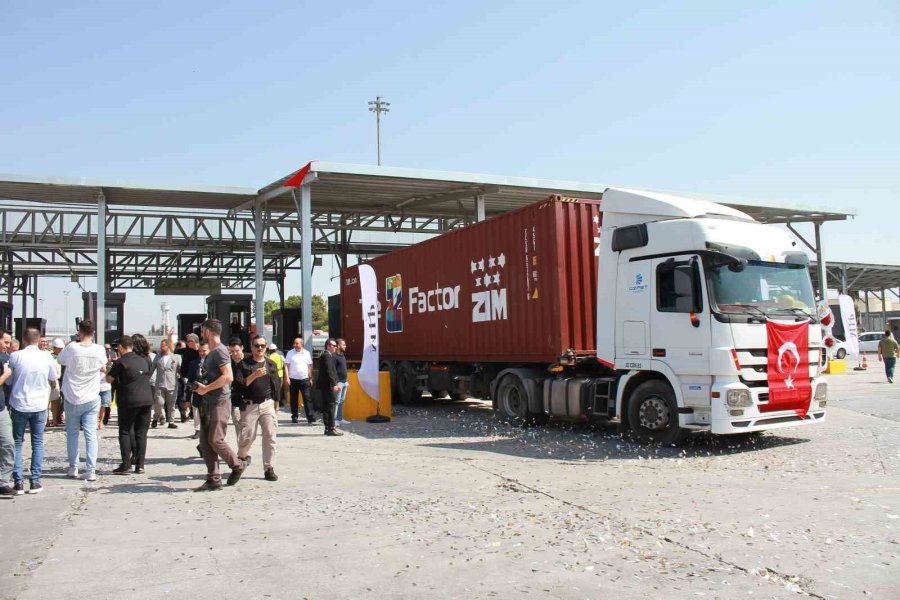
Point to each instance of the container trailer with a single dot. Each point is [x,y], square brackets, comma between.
[647,309]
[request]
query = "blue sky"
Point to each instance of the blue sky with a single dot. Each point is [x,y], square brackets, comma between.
[772,101]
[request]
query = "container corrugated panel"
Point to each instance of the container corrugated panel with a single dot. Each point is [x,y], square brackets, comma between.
[520,287]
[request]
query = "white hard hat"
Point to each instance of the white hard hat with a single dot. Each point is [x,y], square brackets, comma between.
[58,343]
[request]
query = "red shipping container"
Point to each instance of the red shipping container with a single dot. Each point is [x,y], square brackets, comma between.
[520,287]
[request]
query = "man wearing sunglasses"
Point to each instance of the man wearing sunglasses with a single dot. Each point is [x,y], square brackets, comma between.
[261,385]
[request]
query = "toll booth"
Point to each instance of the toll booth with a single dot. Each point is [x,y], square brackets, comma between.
[334,316]
[6,314]
[190,323]
[285,327]
[113,314]
[234,312]
[31,323]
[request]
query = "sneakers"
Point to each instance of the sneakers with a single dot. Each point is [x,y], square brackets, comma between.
[122,469]
[236,474]
[153,424]
[333,432]
[343,422]
[270,474]
[91,476]
[72,473]
[36,488]
[7,491]
[209,486]
[294,420]
[139,470]
[173,426]
[19,487]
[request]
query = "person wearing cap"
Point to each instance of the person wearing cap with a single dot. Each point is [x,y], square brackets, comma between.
[56,399]
[274,355]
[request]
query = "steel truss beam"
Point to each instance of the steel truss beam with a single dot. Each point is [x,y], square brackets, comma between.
[39,226]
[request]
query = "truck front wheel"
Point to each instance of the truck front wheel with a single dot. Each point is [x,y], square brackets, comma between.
[653,414]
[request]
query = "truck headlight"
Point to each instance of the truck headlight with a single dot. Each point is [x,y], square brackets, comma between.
[738,398]
[821,393]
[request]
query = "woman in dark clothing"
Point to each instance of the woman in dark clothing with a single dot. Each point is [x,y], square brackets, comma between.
[134,398]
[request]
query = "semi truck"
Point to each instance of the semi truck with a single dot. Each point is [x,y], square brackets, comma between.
[641,308]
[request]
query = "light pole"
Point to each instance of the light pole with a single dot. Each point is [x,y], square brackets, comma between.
[378,106]
[66,325]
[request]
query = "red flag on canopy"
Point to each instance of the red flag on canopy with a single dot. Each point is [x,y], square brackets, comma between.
[296,179]
[790,387]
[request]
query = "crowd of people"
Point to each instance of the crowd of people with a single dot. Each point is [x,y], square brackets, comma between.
[53,383]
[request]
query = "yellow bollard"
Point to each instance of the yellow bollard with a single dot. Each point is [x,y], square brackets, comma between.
[358,405]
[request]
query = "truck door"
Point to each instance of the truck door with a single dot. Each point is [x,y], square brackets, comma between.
[679,317]
[633,309]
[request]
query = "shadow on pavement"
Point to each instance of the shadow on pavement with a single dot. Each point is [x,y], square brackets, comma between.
[445,421]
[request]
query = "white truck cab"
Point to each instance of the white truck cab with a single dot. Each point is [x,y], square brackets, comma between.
[694,283]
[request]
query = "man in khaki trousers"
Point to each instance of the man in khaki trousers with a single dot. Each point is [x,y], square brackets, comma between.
[261,385]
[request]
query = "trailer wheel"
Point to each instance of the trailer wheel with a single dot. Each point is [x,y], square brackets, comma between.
[653,414]
[512,399]
[459,396]
[437,394]
[407,388]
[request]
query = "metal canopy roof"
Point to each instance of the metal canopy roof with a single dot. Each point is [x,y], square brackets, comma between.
[366,188]
[59,190]
[859,276]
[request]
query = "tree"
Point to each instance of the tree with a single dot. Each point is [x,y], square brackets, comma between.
[319,309]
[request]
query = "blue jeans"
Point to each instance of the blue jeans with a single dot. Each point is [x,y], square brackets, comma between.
[106,398]
[82,417]
[889,364]
[35,422]
[339,403]
[7,448]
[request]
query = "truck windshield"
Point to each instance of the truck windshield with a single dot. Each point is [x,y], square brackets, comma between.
[763,289]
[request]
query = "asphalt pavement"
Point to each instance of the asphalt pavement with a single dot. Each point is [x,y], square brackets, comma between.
[447,501]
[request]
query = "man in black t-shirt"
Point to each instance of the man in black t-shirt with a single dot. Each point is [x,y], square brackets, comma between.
[261,383]
[215,409]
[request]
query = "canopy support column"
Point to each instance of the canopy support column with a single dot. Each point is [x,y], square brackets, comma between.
[258,256]
[303,202]
[820,264]
[883,311]
[100,318]
[868,314]
[24,306]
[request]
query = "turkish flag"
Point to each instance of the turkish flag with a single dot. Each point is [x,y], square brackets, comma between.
[788,367]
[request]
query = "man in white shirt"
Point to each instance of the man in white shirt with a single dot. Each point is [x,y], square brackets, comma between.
[33,374]
[300,368]
[84,361]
